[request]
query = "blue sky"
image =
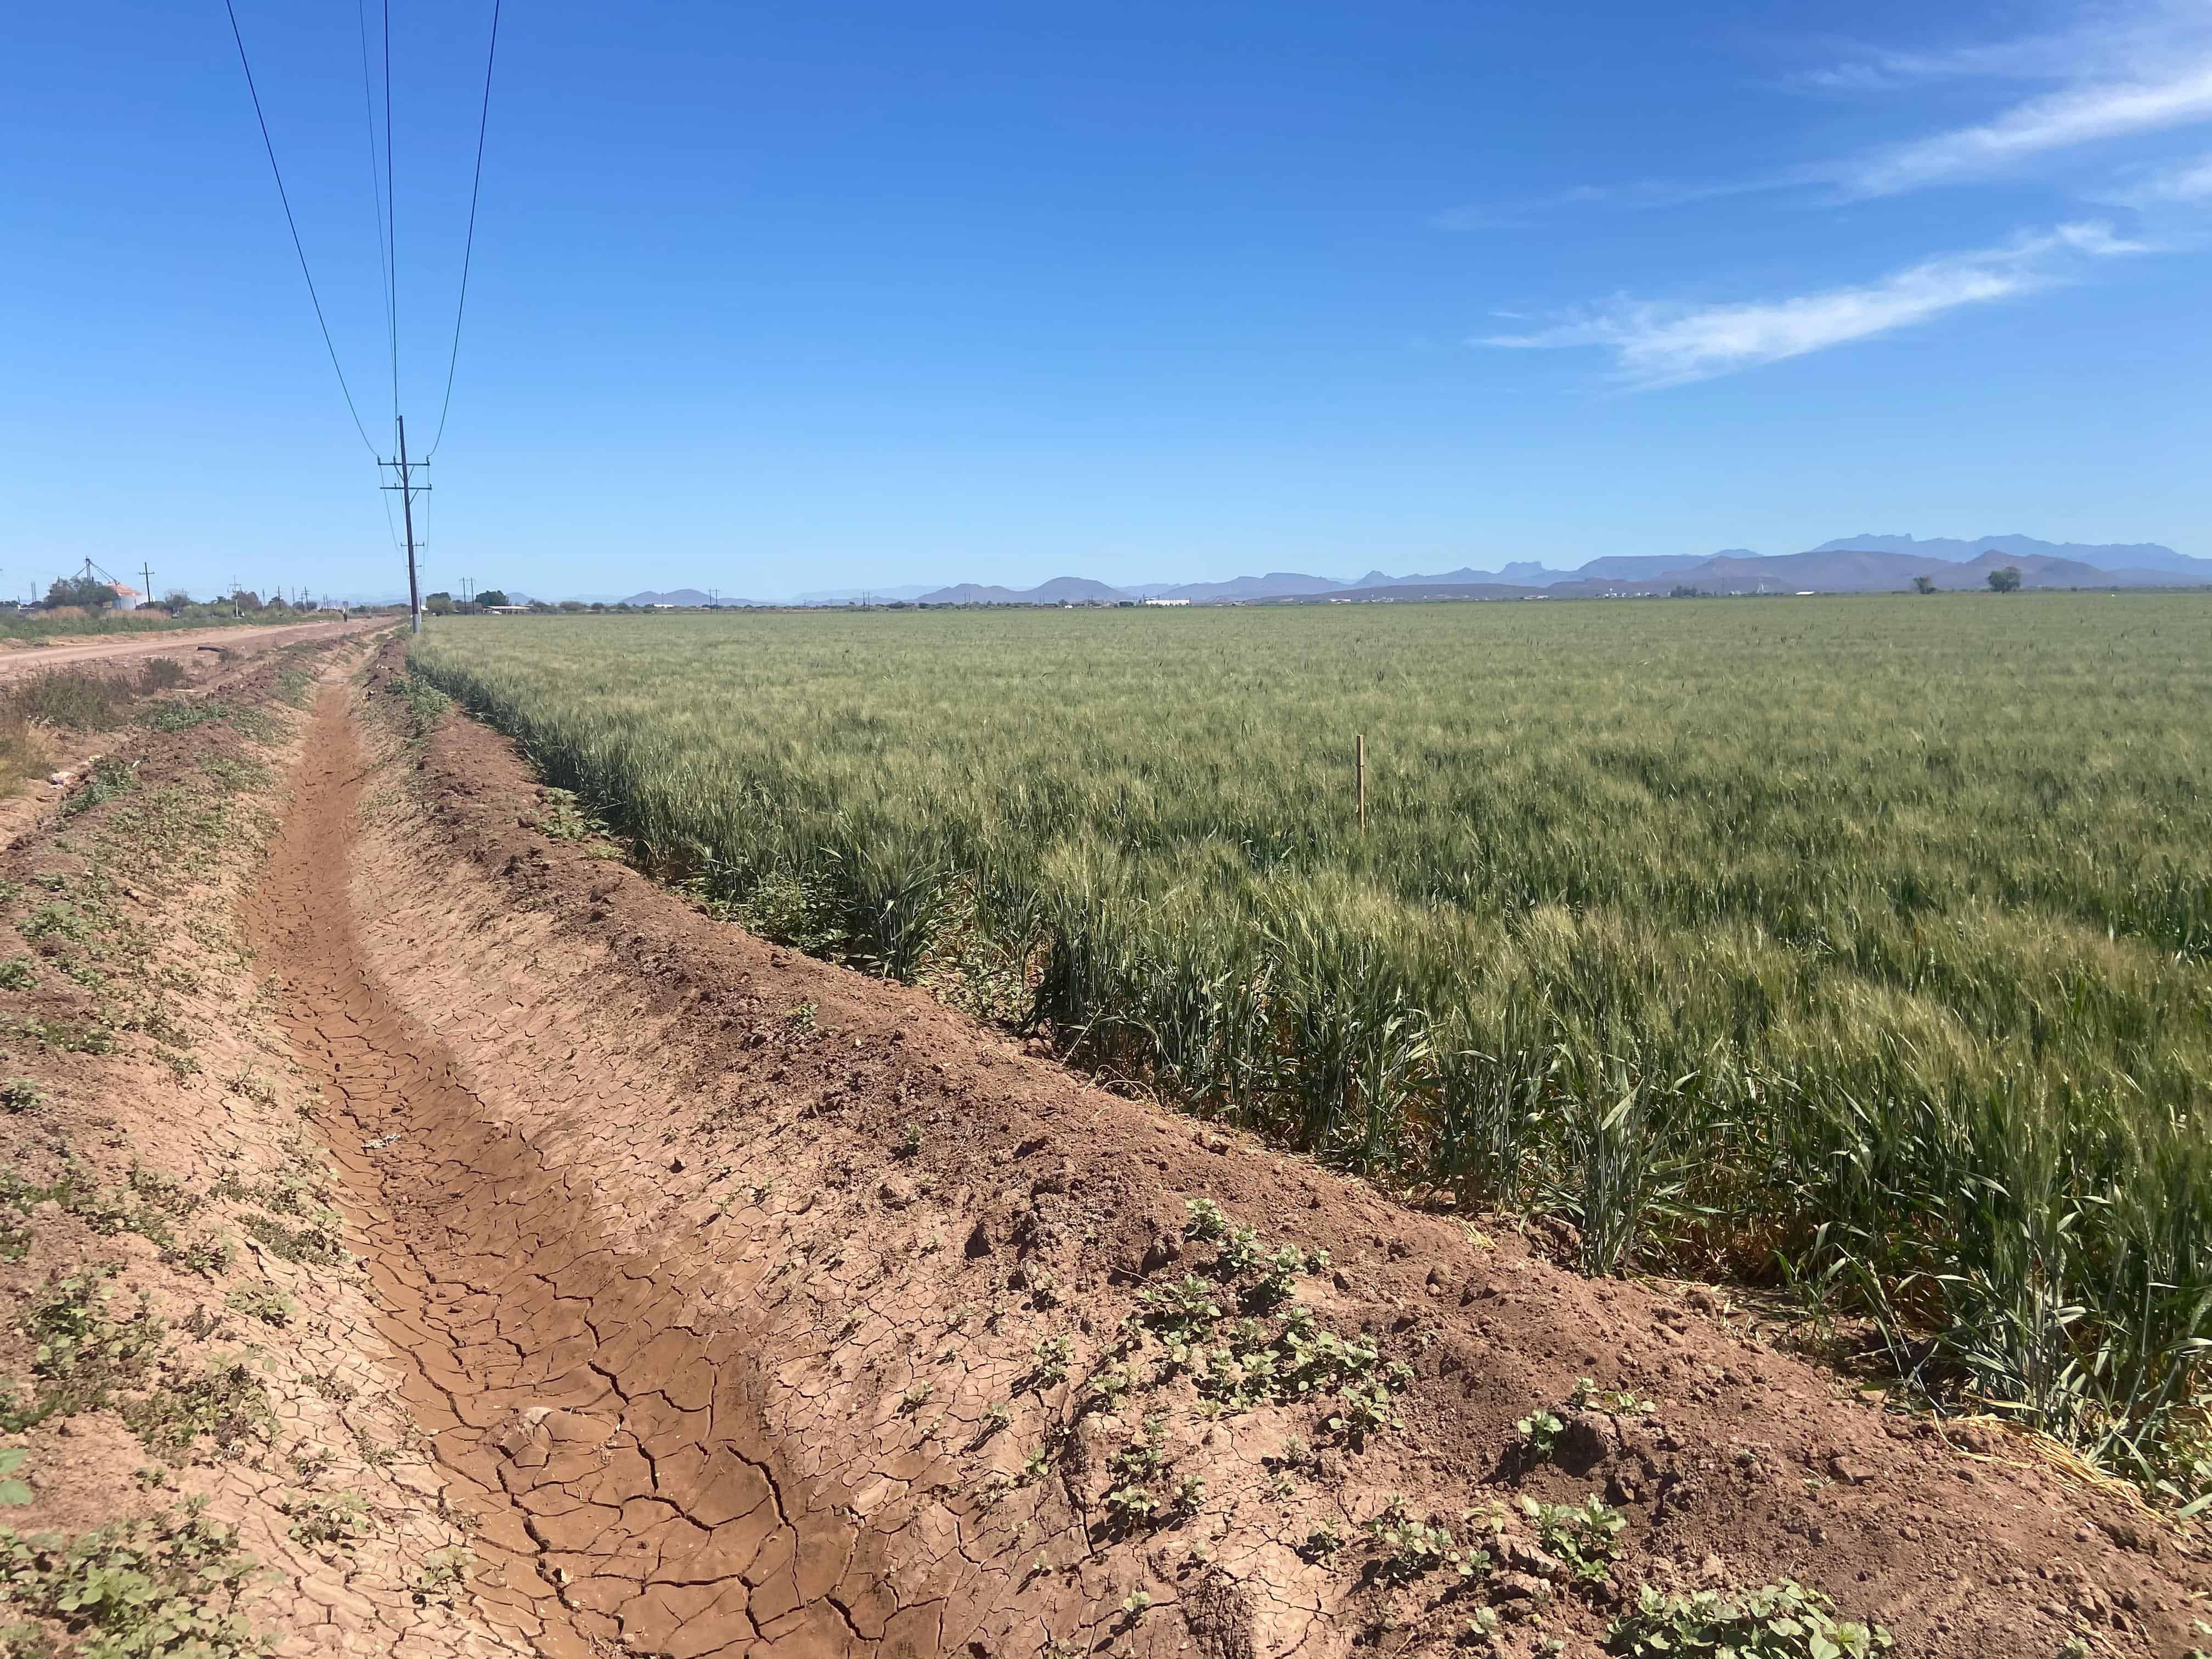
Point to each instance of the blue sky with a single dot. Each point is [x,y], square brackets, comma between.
[795,296]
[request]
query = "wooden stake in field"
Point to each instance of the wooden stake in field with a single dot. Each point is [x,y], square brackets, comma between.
[1359,777]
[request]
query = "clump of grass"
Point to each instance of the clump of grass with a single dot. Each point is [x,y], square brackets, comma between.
[72,697]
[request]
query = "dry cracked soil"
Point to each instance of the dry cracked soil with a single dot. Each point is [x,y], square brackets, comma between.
[508,1257]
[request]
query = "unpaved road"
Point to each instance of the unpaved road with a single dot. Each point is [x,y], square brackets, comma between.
[129,648]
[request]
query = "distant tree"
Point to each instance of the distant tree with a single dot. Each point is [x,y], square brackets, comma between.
[493,595]
[572,604]
[80,590]
[437,604]
[2005,580]
[246,599]
[1682,592]
[599,605]
[176,600]
[1924,584]
[541,606]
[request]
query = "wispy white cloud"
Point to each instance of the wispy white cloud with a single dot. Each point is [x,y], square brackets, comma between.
[1659,345]
[2184,183]
[2122,68]
[1512,215]
[1647,193]
[2059,120]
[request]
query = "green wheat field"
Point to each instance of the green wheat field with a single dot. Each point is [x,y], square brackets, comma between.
[1857,946]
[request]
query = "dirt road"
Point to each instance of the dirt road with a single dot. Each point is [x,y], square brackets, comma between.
[120,647]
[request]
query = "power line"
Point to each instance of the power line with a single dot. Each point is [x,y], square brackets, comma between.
[391,213]
[468,248]
[375,183]
[284,196]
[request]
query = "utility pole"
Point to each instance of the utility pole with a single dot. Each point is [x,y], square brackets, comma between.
[146,575]
[408,489]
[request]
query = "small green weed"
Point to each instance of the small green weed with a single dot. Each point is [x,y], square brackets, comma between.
[1052,1356]
[1206,1223]
[1614,1402]
[442,1577]
[1410,1548]
[1778,1622]
[1323,1541]
[1583,1535]
[1540,1434]
[263,1301]
[313,1246]
[222,1401]
[110,777]
[58,918]
[81,1355]
[318,1521]
[18,973]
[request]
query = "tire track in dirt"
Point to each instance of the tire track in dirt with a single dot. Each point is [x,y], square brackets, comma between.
[610,1453]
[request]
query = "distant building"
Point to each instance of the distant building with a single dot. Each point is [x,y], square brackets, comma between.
[128,598]
[1167,601]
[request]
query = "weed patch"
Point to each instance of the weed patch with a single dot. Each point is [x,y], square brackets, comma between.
[77,699]
[170,1587]
[1779,1621]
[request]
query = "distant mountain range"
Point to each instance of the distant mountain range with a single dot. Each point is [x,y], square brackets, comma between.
[1851,564]
[2139,556]
[687,596]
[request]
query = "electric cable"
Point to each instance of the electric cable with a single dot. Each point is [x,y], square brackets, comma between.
[282,195]
[391,214]
[375,182]
[469,247]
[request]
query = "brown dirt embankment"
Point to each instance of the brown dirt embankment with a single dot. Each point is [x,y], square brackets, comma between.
[748,1303]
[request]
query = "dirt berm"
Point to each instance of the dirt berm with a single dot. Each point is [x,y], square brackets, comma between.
[743,1303]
